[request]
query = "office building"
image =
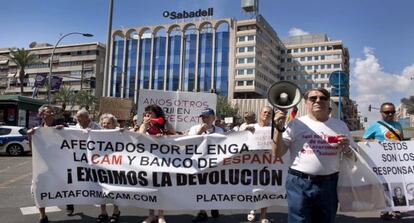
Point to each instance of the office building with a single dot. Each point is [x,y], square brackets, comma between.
[237,59]
[80,66]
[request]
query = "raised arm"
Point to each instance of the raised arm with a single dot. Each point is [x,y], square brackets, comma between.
[278,147]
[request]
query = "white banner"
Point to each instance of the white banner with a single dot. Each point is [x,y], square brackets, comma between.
[393,163]
[192,172]
[181,108]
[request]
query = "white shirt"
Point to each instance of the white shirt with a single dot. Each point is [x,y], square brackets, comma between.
[309,150]
[193,130]
[92,125]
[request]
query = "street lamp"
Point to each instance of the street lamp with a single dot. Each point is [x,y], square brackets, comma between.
[51,60]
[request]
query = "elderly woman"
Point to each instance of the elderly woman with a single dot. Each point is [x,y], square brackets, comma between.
[108,121]
[47,114]
[154,123]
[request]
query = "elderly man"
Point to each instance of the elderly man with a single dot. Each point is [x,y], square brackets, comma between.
[264,121]
[206,127]
[315,142]
[84,120]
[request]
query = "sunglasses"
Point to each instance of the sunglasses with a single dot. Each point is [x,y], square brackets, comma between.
[314,98]
[389,112]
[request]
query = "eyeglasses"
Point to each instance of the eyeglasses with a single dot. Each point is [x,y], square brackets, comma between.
[389,112]
[314,98]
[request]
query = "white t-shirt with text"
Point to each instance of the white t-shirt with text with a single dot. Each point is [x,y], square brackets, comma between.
[310,151]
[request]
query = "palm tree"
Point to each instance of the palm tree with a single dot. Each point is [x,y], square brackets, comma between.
[22,58]
[64,96]
[85,99]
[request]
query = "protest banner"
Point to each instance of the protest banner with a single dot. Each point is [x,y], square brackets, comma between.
[171,173]
[181,108]
[393,163]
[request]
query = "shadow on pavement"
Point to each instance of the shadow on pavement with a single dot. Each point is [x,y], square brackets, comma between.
[235,218]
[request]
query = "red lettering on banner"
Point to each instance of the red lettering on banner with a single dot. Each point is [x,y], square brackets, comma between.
[106,159]
[266,158]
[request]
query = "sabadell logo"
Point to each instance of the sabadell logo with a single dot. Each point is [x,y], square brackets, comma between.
[185,14]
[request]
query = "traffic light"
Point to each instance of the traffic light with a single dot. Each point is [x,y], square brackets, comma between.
[365,119]
[92,82]
[369,108]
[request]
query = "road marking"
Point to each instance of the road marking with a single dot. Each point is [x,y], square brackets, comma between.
[35,210]
[14,167]
[98,205]
[7,183]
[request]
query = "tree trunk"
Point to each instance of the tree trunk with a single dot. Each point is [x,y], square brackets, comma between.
[21,78]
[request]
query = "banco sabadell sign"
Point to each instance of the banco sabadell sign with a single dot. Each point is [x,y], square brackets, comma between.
[188,14]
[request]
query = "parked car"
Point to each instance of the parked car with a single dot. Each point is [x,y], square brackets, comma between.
[14,140]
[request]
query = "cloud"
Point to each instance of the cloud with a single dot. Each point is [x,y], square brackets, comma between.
[372,85]
[297,32]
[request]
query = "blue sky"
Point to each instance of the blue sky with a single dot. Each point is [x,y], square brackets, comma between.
[378,33]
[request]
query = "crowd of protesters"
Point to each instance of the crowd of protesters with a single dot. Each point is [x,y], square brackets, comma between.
[311,183]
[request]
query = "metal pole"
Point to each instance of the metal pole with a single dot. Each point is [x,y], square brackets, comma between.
[51,60]
[339,96]
[107,50]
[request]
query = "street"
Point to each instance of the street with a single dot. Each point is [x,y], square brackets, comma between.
[17,205]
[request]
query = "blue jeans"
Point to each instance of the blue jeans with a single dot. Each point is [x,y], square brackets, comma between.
[311,201]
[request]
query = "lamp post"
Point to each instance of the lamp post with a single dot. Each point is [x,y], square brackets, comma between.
[51,60]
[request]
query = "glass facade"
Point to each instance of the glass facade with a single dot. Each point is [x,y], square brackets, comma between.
[173,65]
[138,63]
[118,48]
[131,75]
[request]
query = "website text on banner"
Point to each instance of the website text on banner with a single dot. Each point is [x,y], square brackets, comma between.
[129,169]
[393,163]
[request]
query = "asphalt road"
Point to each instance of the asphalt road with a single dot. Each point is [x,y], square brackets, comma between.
[17,205]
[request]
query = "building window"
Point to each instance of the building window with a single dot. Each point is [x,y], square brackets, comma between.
[249,83]
[322,66]
[240,72]
[337,65]
[302,59]
[250,49]
[240,60]
[289,51]
[249,71]
[282,52]
[241,39]
[310,49]
[323,48]
[240,49]
[302,50]
[316,58]
[302,68]
[250,37]
[296,50]
[250,60]
[322,57]
[328,66]
[316,48]
[240,83]
[289,59]
[282,60]
[309,67]
[322,75]
[309,58]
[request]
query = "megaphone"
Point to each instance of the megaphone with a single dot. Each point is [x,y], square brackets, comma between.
[284,95]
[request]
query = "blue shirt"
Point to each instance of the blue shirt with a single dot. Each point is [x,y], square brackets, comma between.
[381,133]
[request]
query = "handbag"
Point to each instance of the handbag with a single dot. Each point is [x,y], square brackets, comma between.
[359,189]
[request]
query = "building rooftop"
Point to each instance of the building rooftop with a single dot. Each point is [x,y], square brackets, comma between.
[309,38]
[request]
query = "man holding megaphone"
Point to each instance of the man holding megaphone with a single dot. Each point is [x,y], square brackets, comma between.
[316,142]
